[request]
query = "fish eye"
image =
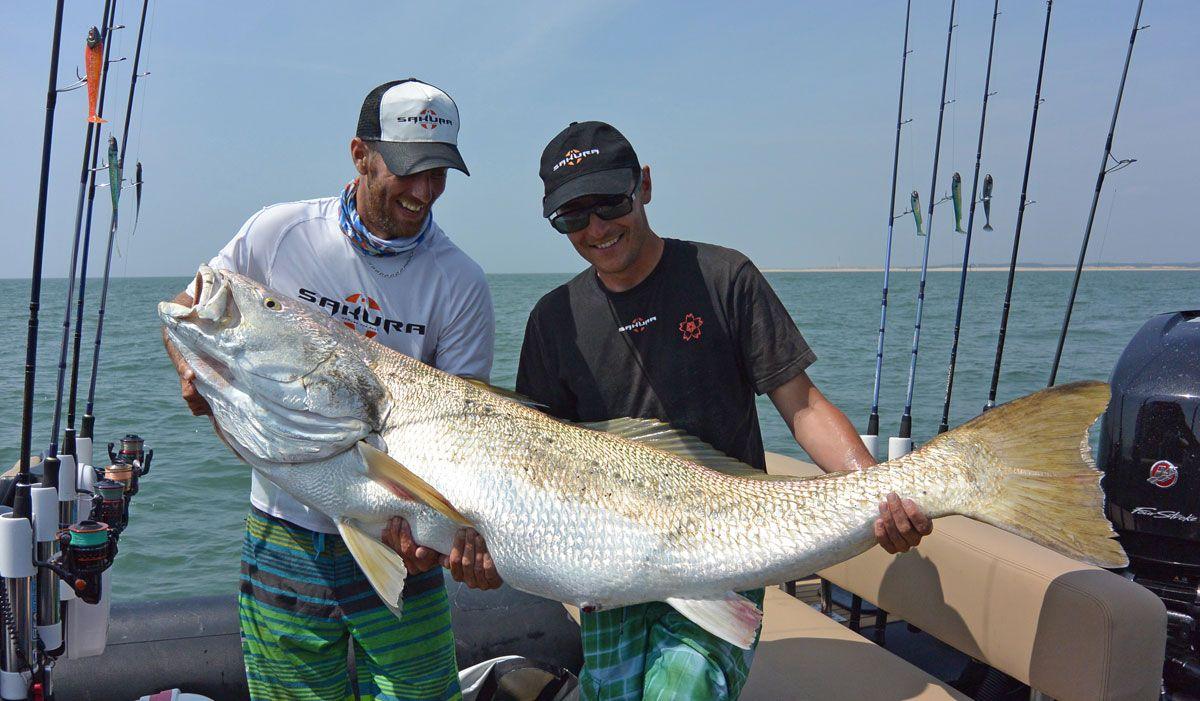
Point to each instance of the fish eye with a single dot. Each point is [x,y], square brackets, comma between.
[271,303]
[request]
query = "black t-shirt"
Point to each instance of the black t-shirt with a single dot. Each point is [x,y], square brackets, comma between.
[690,345]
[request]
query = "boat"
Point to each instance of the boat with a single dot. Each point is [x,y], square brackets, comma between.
[874,627]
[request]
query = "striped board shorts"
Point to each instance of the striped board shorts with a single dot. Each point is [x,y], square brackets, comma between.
[651,651]
[302,598]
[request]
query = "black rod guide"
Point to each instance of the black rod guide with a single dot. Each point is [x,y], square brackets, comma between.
[1012,266]
[962,281]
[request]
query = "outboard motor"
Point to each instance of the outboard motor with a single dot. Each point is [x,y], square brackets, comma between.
[1150,454]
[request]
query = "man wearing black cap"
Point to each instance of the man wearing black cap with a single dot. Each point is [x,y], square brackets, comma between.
[374,259]
[686,333]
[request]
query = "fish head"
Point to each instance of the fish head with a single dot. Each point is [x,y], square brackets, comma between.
[93,38]
[285,385]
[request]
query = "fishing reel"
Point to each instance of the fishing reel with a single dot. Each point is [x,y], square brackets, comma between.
[110,505]
[132,454]
[86,549]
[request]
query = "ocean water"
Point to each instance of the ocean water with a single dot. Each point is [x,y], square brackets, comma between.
[186,525]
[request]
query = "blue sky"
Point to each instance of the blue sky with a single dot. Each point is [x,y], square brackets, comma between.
[768,126]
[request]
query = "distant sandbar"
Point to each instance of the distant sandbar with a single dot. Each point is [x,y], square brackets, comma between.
[986,269]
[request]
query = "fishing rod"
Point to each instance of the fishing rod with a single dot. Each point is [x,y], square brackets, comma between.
[17,528]
[117,163]
[99,49]
[39,239]
[1104,170]
[962,281]
[70,439]
[1012,265]
[872,436]
[903,443]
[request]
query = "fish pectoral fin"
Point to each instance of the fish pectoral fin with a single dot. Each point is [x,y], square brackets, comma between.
[406,484]
[732,618]
[383,566]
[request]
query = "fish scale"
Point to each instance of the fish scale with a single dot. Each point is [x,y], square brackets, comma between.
[599,518]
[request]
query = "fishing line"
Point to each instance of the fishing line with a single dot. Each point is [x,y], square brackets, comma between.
[39,239]
[1107,225]
[89,417]
[962,280]
[137,149]
[1104,170]
[903,443]
[1012,266]
[873,422]
[87,181]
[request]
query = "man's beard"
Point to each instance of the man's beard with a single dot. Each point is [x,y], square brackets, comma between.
[378,218]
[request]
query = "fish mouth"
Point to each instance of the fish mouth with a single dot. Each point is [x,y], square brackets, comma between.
[212,310]
[194,328]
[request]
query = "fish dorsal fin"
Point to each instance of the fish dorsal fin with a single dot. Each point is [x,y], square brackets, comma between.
[382,466]
[506,393]
[383,566]
[662,436]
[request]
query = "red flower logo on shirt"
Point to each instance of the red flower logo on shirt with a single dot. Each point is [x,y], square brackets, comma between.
[690,327]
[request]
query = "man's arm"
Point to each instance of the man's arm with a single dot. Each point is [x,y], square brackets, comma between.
[197,403]
[829,437]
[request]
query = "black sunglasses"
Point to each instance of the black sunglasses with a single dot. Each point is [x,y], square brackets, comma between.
[607,208]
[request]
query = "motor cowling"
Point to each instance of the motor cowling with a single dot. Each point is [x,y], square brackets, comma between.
[1150,454]
[1150,442]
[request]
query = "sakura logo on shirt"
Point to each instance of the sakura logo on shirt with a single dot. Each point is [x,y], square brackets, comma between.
[690,327]
[638,325]
[355,311]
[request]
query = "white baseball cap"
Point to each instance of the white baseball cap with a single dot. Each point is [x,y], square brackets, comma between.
[413,125]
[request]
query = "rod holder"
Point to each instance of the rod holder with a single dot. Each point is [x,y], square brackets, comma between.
[45,533]
[872,444]
[899,447]
[18,571]
[83,451]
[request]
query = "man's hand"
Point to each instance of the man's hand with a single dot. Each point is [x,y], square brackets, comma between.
[901,524]
[470,562]
[196,402]
[417,558]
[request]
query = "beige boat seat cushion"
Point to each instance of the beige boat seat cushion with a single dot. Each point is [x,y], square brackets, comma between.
[1069,630]
[803,654]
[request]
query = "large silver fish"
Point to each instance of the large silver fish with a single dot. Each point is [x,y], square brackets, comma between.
[604,515]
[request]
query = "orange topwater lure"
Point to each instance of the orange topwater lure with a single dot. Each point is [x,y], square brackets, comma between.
[94,61]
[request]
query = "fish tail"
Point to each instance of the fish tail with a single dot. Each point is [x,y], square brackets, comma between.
[97,120]
[1045,484]
[987,227]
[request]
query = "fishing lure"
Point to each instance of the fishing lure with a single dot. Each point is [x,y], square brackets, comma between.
[987,202]
[956,196]
[915,203]
[93,58]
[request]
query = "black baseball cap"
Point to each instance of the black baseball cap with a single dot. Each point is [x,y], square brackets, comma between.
[413,125]
[587,158]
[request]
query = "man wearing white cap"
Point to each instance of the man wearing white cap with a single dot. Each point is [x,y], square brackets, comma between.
[374,259]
